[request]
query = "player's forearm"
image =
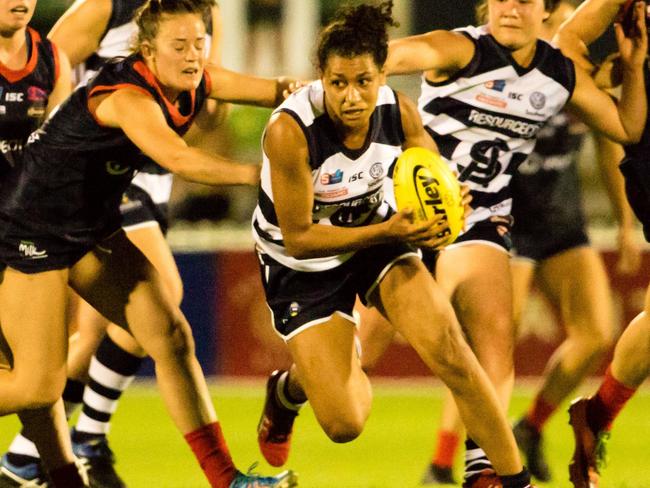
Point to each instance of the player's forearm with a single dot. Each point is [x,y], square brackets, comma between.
[195,165]
[633,105]
[324,240]
[588,22]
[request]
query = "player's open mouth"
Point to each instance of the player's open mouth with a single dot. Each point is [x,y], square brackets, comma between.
[190,71]
[353,113]
[19,10]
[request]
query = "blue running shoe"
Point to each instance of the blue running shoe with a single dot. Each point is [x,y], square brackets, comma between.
[286,479]
[99,461]
[30,475]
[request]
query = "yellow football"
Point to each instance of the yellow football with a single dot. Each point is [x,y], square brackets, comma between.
[423,182]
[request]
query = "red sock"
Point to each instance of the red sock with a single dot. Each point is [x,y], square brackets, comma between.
[446,449]
[605,406]
[66,477]
[211,451]
[539,413]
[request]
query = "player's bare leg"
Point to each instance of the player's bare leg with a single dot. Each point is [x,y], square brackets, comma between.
[477,279]
[592,418]
[136,298]
[576,283]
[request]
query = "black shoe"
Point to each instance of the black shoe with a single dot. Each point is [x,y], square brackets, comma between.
[97,457]
[438,475]
[530,443]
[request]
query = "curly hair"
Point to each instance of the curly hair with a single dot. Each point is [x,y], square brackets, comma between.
[355,31]
[481,10]
[150,15]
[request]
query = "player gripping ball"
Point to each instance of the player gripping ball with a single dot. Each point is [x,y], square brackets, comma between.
[423,182]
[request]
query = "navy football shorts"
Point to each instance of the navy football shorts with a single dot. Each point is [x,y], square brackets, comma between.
[299,300]
[483,232]
[536,247]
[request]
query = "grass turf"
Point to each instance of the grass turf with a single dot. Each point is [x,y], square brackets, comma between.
[391,453]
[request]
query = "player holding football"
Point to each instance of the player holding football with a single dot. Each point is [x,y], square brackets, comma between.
[325,234]
[486,93]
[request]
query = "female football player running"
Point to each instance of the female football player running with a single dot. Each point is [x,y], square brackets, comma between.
[325,235]
[61,222]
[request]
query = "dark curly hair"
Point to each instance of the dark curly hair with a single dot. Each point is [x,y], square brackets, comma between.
[356,31]
[481,9]
[149,16]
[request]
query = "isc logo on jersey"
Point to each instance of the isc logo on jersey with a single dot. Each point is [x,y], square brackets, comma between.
[423,182]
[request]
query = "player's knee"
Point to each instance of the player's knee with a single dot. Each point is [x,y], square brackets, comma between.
[596,342]
[446,350]
[175,341]
[344,429]
[176,288]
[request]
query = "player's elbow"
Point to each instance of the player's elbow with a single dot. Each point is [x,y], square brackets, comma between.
[298,245]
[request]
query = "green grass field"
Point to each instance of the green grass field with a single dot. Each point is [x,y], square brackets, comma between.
[391,453]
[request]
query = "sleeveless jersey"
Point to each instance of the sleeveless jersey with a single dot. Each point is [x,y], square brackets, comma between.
[348,184]
[486,118]
[74,170]
[117,41]
[24,95]
[546,187]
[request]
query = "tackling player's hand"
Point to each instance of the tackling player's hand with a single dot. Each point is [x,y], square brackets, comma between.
[633,43]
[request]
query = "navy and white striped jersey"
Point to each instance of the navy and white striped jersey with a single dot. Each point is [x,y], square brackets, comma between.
[486,118]
[348,184]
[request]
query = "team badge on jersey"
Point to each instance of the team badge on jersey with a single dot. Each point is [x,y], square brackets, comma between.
[538,100]
[377,170]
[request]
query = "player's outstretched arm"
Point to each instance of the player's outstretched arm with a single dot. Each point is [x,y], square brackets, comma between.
[442,52]
[142,120]
[230,86]
[586,24]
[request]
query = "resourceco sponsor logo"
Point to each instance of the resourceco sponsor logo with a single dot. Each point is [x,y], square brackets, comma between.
[523,129]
